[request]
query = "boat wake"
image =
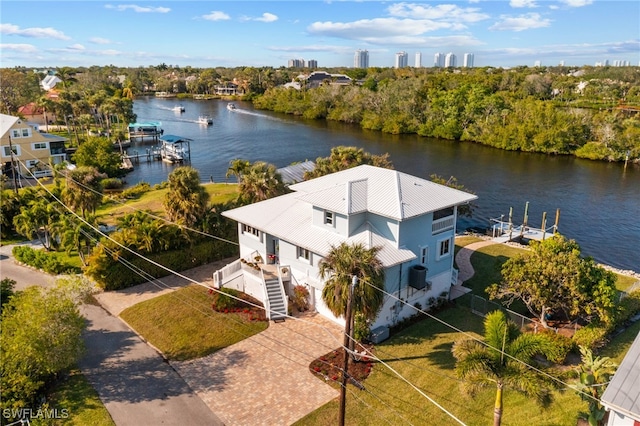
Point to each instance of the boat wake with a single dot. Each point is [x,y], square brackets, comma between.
[257,114]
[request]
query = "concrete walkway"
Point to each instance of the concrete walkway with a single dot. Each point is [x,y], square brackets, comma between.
[463,259]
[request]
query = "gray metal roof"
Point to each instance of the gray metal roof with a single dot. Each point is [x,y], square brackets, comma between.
[623,392]
[6,121]
[295,172]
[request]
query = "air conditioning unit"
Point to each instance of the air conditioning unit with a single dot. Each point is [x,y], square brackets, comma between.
[418,277]
[379,334]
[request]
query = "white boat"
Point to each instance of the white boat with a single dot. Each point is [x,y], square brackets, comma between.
[175,149]
[178,108]
[205,119]
[231,107]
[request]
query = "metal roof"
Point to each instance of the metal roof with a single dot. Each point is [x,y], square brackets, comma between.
[383,192]
[295,172]
[174,139]
[6,121]
[622,395]
[390,193]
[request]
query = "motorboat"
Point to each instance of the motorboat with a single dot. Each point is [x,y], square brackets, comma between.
[178,108]
[205,119]
[231,107]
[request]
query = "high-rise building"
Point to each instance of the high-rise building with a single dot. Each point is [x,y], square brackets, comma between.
[450,60]
[402,59]
[296,63]
[418,63]
[438,60]
[467,60]
[537,64]
[361,59]
[312,63]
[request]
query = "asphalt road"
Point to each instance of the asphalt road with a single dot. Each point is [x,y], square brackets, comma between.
[133,381]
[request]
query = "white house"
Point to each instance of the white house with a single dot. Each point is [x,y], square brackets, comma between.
[622,396]
[411,219]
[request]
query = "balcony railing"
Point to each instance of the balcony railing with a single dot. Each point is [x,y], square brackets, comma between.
[444,224]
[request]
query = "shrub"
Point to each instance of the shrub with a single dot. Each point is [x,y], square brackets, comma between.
[592,336]
[361,329]
[225,299]
[136,191]
[301,297]
[629,306]
[559,346]
[46,261]
[111,183]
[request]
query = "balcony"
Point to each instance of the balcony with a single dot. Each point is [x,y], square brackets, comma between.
[443,224]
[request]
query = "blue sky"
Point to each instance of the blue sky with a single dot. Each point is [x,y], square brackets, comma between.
[269,33]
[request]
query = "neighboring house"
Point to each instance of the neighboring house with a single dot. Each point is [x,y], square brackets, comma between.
[411,219]
[319,78]
[49,82]
[33,151]
[226,89]
[295,172]
[622,396]
[32,113]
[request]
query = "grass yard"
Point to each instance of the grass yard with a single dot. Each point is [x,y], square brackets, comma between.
[422,354]
[153,201]
[183,325]
[74,394]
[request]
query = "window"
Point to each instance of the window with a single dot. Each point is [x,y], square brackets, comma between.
[32,163]
[40,145]
[21,133]
[439,214]
[303,253]
[246,229]
[328,218]
[445,248]
[424,255]
[6,150]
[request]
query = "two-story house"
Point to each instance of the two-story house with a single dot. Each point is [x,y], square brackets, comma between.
[34,152]
[412,220]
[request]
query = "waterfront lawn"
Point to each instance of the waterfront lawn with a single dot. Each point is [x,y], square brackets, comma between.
[153,200]
[74,394]
[422,354]
[183,326]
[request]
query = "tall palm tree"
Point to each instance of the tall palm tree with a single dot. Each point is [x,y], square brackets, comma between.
[261,182]
[237,168]
[187,200]
[338,269]
[84,190]
[503,362]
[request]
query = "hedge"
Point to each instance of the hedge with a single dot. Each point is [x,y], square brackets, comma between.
[46,261]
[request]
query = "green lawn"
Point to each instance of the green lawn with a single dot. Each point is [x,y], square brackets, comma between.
[80,401]
[153,201]
[183,325]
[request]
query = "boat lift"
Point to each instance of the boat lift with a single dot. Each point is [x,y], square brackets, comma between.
[504,231]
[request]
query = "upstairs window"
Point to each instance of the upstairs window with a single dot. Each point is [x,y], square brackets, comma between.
[6,150]
[444,248]
[329,218]
[439,214]
[21,133]
[246,229]
[40,145]
[303,253]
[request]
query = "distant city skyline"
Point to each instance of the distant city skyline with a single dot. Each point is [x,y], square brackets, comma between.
[249,33]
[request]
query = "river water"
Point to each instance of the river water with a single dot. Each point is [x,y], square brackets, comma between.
[599,202]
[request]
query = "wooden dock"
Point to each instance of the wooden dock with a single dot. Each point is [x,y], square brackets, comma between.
[504,231]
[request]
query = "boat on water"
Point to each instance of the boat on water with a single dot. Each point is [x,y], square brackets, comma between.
[205,119]
[231,107]
[178,108]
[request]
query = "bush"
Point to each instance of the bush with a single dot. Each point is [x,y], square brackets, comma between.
[301,297]
[629,306]
[46,261]
[225,299]
[559,346]
[136,191]
[111,183]
[592,336]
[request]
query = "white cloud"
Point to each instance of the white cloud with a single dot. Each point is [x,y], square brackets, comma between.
[379,28]
[444,12]
[138,9]
[21,48]
[267,17]
[76,47]
[577,3]
[34,32]
[527,21]
[216,15]
[523,3]
[100,40]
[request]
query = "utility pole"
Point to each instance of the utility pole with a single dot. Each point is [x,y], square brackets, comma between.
[13,167]
[347,340]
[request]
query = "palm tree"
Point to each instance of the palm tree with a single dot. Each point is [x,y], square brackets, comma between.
[261,182]
[187,200]
[340,266]
[84,190]
[237,168]
[502,362]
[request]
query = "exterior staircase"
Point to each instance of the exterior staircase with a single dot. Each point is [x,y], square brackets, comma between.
[277,302]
